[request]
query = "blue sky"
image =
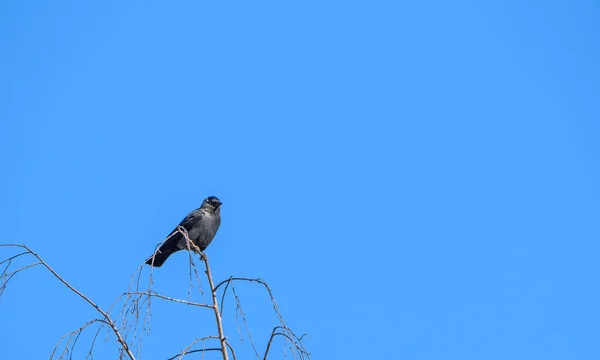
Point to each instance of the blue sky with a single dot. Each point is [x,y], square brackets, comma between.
[415,180]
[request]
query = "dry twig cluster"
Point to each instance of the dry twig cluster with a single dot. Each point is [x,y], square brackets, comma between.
[132,323]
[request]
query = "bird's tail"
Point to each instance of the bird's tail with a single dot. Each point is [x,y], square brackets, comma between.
[158,258]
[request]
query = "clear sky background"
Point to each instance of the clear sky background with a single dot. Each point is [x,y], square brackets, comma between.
[415,180]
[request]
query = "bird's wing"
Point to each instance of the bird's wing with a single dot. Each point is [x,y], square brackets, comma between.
[175,241]
[191,219]
[187,223]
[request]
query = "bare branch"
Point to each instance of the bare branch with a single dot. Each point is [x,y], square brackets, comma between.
[231,348]
[105,315]
[256,280]
[137,301]
[216,308]
[293,338]
[151,293]
[294,345]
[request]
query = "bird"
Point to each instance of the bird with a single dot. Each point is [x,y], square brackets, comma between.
[201,225]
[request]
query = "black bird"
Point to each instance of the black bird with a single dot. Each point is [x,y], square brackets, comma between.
[201,225]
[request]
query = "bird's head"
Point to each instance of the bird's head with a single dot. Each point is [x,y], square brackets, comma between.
[211,203]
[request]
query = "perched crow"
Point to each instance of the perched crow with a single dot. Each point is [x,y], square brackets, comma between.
[201,224]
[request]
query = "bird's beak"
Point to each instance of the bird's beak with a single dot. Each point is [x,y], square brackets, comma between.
[220,203]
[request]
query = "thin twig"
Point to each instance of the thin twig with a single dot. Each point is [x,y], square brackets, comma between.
[6,277]
[238,307]
[193,351]
[203,339]
[134,306]
[224,292]
[10,259]
[71,334]
[192,248]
